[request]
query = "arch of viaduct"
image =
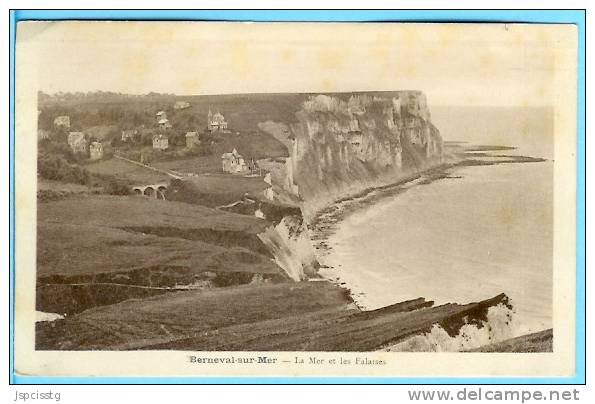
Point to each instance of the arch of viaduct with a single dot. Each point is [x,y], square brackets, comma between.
[156,191]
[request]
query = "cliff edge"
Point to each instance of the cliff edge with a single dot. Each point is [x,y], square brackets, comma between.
[346,143]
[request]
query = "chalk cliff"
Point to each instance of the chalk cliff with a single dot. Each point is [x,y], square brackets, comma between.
[344,144]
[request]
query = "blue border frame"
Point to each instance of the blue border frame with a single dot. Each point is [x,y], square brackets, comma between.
[577,17]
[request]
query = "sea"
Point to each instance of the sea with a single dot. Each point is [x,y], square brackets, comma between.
[464,236]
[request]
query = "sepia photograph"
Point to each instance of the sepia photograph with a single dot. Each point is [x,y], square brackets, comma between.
[252,193]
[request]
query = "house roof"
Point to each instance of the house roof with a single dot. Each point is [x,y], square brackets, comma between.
[233,153]
[161,121]
[218,117]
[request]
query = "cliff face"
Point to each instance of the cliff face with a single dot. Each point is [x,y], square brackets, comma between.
[343,145]
[291,246]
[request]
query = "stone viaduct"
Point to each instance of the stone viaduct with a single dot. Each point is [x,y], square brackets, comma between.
[156,191]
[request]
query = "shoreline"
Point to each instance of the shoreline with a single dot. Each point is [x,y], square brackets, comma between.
[327,220]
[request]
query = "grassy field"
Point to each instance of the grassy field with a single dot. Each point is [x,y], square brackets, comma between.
[127,171]
[49,185]
[192,165]
[216,190]
[98,234]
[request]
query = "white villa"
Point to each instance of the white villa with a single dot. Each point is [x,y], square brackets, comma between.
[62,122]
[233,162]
[96,150]
[216,122]
[77,142]
[160,142]
[181,105]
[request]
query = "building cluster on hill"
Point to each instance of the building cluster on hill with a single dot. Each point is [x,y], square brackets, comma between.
[159,134]
[79,142]
[215,123]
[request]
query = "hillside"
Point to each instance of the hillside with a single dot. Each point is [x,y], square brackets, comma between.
[141,242]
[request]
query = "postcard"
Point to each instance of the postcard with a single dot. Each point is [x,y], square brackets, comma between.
[295,199]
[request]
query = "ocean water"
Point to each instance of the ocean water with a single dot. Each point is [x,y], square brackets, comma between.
[484,230]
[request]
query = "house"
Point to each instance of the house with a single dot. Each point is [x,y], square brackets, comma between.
[77,142]
[161,115]
[62,122]
[216,122]
[233,162]
[96,150]
[164,124]
[181,105]
[192,139]
[129,135]
[160,142]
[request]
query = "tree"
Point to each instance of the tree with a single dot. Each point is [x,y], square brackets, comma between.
[56,168]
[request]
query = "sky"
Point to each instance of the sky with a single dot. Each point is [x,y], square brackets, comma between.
[454,64]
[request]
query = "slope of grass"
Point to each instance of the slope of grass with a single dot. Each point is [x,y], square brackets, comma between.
[98,234]
[126,171]
[136,323]
[215,190]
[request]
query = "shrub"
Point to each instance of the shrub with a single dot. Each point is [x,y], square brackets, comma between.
[56,149]
[115,187]
[56,168]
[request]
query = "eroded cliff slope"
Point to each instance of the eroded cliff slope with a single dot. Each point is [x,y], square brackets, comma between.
[344,144]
